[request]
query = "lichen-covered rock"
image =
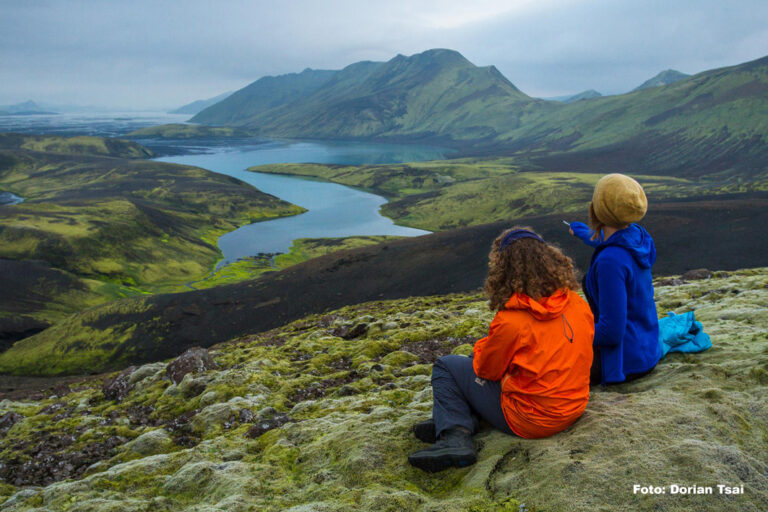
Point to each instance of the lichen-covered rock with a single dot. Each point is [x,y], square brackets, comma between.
[194,360]
[264,424]
[349,332]
[299,419]
[8,420]
[699,273]
[118,387]
[191,386]
[223,414]
[152,442]
[148,371]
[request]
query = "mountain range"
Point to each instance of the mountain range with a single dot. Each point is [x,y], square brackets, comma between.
[196,106]
[585,95]
[666,77]
[25,108]
[570,98]
[711,122]
[433,93]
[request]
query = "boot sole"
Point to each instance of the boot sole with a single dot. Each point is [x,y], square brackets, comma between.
[438,460]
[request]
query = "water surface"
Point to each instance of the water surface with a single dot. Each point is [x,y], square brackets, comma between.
[334,210]
[6,198]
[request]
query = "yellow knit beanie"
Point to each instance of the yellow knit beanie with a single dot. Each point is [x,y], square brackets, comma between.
[618,201]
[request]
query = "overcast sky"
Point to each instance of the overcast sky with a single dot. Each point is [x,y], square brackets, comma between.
[158,54]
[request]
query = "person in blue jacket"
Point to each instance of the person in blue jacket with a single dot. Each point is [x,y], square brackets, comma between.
[619,285]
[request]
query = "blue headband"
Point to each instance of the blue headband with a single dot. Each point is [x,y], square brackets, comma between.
[517,234]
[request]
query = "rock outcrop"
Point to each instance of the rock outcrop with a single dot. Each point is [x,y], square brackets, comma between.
[194,360]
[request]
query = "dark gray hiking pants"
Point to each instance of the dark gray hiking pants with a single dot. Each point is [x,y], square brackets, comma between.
[460,396]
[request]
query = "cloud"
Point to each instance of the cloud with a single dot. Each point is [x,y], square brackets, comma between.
[166,53]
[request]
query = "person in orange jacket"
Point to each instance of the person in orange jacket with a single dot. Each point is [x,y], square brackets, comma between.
[530,375]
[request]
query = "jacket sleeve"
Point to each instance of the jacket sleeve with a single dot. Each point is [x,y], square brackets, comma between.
[612,302]
[492,354]
[582,232]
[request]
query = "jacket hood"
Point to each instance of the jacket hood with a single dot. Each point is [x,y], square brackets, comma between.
[637,241]
[545,308]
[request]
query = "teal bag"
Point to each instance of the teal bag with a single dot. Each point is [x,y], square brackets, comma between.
[682,333]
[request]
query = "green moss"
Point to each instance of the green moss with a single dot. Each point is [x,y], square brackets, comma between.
[399,358]
[6,490]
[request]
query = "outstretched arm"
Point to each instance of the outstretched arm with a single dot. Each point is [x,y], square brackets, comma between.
[582,231]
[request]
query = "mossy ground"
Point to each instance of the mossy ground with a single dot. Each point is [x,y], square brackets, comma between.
[698,419]
[443,195]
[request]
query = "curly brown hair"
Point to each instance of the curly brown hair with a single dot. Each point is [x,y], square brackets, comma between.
[527,266]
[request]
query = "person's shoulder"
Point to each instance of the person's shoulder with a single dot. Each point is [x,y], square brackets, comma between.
[613,254]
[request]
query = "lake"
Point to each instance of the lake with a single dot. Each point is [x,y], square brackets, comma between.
[334,210]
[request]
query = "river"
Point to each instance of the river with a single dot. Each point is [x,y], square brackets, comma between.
[6,198]
[334,210]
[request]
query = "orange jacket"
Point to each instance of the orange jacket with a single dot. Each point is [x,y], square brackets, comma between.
[541,351]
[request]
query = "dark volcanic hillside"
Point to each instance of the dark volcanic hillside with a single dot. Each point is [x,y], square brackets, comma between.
[721,233]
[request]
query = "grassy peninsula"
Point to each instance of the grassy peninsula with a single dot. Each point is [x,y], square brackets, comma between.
[448,194]
[188,131]
[316,415]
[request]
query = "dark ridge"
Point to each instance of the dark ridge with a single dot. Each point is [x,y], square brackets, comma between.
[28,286]
[717,232]
[666,154]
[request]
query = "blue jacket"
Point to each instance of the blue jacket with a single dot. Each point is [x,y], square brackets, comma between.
[620,285]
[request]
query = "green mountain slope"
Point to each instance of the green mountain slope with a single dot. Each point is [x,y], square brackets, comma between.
[316,415]
[715,122]
[198,105]
[437,93]
[262,95]
[584,95]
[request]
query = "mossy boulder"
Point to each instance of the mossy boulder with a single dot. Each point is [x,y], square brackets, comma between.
[152,442]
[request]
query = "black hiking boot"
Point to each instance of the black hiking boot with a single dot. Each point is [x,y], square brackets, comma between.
[425,431]
[455,448]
